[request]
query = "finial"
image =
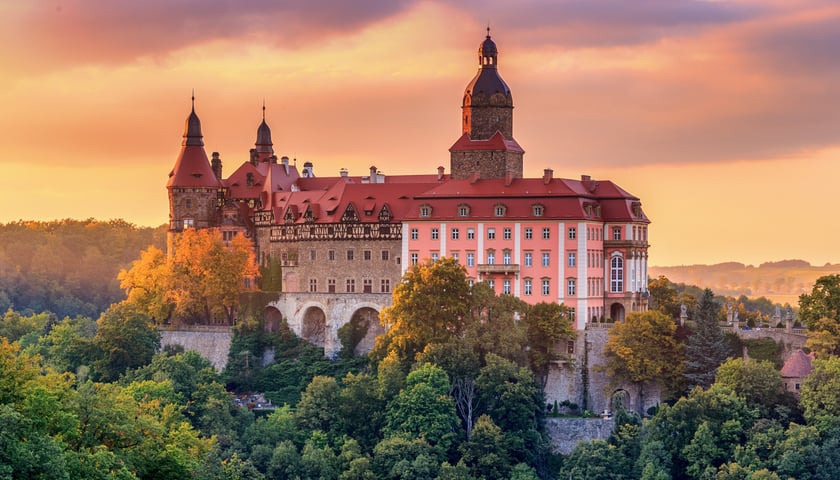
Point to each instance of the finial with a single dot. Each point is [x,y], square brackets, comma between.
[193,99]
[488,29]
[263,109]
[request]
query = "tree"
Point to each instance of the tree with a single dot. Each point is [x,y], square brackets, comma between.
[549,325]
[146,284]
[125,338]
[663,296]
[818,395]
[642,350]
[758,382]
[820,312]
[430,305]
[706,347]
[486,452]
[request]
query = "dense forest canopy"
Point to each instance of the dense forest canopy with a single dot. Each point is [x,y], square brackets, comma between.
[68,267]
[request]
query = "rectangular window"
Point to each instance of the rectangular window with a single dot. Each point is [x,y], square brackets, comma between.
[616,233]
[529,233]
[571,289]
[435,233]
[415,234]
[435,256]
[414,258]
[546,287]
[529,259]
[350,285]
[331,285]
[470,234]
[572,233]
[506,286]
[313,255]
[463,211]
[350,255]
[455,233]
[385,286]
[546,233]
[527,286]
[491,234]
[455,255]
[331,255]
[570,347]
[546,259]
[470,259]
[313,285]
[572,259]
[189,223]
[506,233]
[367,285]
[491,257]
[492,284]
[386,255]
[366,254]
[506,257]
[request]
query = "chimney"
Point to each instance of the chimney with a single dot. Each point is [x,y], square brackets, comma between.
[372,174]
[343,172]
[253,156]
[585,178]
[548,174]
[216,164]
[284,160]
[440,173]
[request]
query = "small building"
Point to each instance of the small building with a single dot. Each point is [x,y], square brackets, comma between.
[795,369]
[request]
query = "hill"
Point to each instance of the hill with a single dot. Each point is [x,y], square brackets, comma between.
[781,281]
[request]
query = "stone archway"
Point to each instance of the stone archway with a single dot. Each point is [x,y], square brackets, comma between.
[617,312]
[314,326]
[272,320]
[366,320]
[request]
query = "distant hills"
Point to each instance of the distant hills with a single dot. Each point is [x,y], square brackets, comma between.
[781,281]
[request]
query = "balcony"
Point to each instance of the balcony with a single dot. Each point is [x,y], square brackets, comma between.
[510,269]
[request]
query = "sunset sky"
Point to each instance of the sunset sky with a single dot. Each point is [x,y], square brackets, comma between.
[722,116]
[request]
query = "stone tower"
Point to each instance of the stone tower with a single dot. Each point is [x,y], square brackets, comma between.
[193,186]
[486,147]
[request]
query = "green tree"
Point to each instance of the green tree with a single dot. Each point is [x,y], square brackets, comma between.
[819,311]
[317,409]
[818,395]
[706,347]
[486,452]
[125,338]
[549,326]
[758,382]
[430,305]
[595,460]
[642,350]
[663,296]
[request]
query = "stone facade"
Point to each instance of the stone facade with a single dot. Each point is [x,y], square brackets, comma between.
[486,164]
[567,433]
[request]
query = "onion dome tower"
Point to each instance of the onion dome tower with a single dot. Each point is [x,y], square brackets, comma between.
[194,189]
[487,147]
[264,146]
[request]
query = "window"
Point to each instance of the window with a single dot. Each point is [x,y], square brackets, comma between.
[351,285]
[331,285]
[537,210]
[529,233]
[616,233]
[546,287]
[529,259]
[350,255]
[435,233]
[313,284]
[491,257]
[188,202]
[492,284]
[506,257]
[491,234]
[331,255]
[471,282]
[470,234]
[189,223]
[572,233]
[414,234]
[470,259]
[367,285]
[571,287]
[425,211]
[528,286]
[313,255]
[546,233]
[506,233]
[385,285]
[500,210]
[546,259]
[570,347]
[366,254]
[414,258]
[506,286]
[463,211]
[435,256]
[455,233]
[572,259]
[616,274]
[386,255]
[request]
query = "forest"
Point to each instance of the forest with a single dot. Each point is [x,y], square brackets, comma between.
[453,390]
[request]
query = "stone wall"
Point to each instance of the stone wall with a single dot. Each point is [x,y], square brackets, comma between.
[213,343]
[566,433]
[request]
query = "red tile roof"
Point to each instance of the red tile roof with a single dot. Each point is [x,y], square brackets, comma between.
[798,365]
[496,142]
[192,169]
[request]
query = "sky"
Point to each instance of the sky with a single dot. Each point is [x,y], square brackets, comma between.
[723,117]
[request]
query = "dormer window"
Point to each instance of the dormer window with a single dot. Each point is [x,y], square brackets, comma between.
[538,210]
[463,210]
[500,210]
[425,211]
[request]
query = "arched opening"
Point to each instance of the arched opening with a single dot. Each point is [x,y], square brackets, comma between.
[272,320]
[617,312]
[314,326]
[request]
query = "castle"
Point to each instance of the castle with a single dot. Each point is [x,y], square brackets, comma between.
[345,241]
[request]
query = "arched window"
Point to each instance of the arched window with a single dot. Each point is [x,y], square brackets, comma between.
[616,274]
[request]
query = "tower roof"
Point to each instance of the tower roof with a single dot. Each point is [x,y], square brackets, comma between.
[263,143]
[487,80]
[192,168]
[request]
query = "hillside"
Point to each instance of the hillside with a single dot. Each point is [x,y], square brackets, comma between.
[781,281]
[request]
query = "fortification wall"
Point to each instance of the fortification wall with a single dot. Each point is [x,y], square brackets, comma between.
[211,342]
[566,433]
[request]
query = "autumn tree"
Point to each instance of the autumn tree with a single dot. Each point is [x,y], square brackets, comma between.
[643,349]
[820,312]
[706,348]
